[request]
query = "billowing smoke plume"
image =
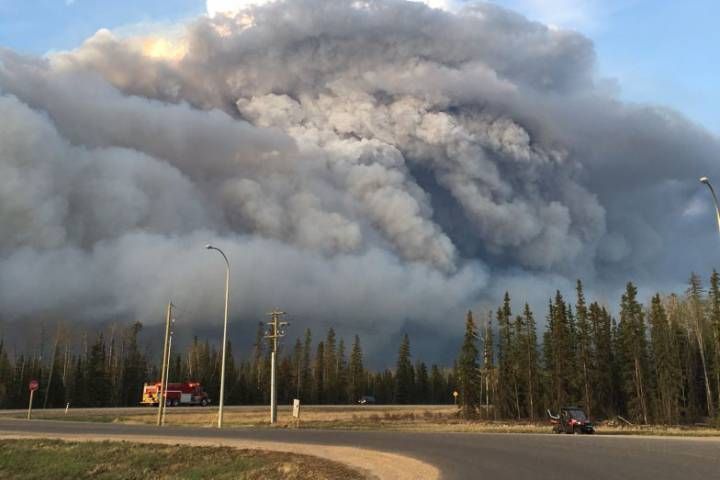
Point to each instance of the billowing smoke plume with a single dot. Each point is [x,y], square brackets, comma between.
[366,163]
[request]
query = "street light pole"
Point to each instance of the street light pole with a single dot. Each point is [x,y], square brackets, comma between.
[706,181]
[221,401]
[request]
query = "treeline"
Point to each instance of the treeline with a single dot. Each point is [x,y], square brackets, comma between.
[656,363]
[110,372]
[653,363]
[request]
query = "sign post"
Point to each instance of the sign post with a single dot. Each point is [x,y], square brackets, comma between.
[296,412]
[33,386]
[455,394]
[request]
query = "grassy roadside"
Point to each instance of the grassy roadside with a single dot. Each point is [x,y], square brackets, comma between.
[420,418]
[43,459]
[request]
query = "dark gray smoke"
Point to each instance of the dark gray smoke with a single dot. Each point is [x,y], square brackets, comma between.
[364,163]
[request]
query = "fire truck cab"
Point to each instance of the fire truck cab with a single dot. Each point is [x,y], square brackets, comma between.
[188,393]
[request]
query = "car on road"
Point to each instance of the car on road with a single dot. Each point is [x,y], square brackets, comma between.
[571,420]
[366,400]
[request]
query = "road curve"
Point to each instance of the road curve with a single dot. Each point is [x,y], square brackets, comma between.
[461,455]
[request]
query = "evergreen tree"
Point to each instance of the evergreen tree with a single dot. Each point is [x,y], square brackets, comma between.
[134,372]
[601,359]
[331,374]
[319,375]
[469,379]
[438,386]
[506,371]
[6,375]
[633,352]
[530,366]
[404,374]
[297,365]
[667,376]
[584,349]
[342,374]
[422,384]
[307,386]
[559,354]
[356,377]
[98,381]
[488,368]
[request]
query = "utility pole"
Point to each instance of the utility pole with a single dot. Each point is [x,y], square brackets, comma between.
[167,372]
[161,391]
[277,330]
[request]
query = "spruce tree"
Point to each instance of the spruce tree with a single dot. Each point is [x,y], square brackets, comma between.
[560,354]
[468,372]
[98,381]
[506,377]
[404,374]
[5,377]
[331,374]
[356,380]
[319,375]
[488,368]
[438,386]
[306,388]
[297,367]
[666,372]
[422,384]
[584,346]
[634,355]
[342,374]
[531,366]
[601,359]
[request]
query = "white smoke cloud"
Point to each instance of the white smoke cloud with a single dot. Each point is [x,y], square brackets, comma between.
[381,158]
[231,7]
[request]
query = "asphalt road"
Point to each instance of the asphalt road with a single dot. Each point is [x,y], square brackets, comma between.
[468,455]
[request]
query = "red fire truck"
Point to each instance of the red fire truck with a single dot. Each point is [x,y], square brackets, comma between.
[188,393]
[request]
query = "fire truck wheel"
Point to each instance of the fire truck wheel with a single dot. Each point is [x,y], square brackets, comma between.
[204,402]
[175,403]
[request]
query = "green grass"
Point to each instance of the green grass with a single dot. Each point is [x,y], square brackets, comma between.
[50,459]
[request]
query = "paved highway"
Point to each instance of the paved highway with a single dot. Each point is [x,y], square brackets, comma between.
[467,455]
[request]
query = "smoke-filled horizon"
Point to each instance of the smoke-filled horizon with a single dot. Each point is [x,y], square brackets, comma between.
[366,164]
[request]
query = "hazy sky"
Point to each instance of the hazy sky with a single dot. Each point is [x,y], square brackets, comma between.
[659,51]
[377,166]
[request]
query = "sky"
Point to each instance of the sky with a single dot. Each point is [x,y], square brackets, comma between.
[399,163]
[656,51]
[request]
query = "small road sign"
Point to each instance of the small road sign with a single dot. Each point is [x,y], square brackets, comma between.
[32,386]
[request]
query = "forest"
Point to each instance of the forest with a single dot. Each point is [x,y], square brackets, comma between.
[657,362]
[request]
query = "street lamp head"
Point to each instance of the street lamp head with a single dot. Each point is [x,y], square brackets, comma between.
[209,247]
[705,180]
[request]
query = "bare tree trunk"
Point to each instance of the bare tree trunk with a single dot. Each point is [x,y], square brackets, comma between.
[587,389]
[639,390]
[701,347]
